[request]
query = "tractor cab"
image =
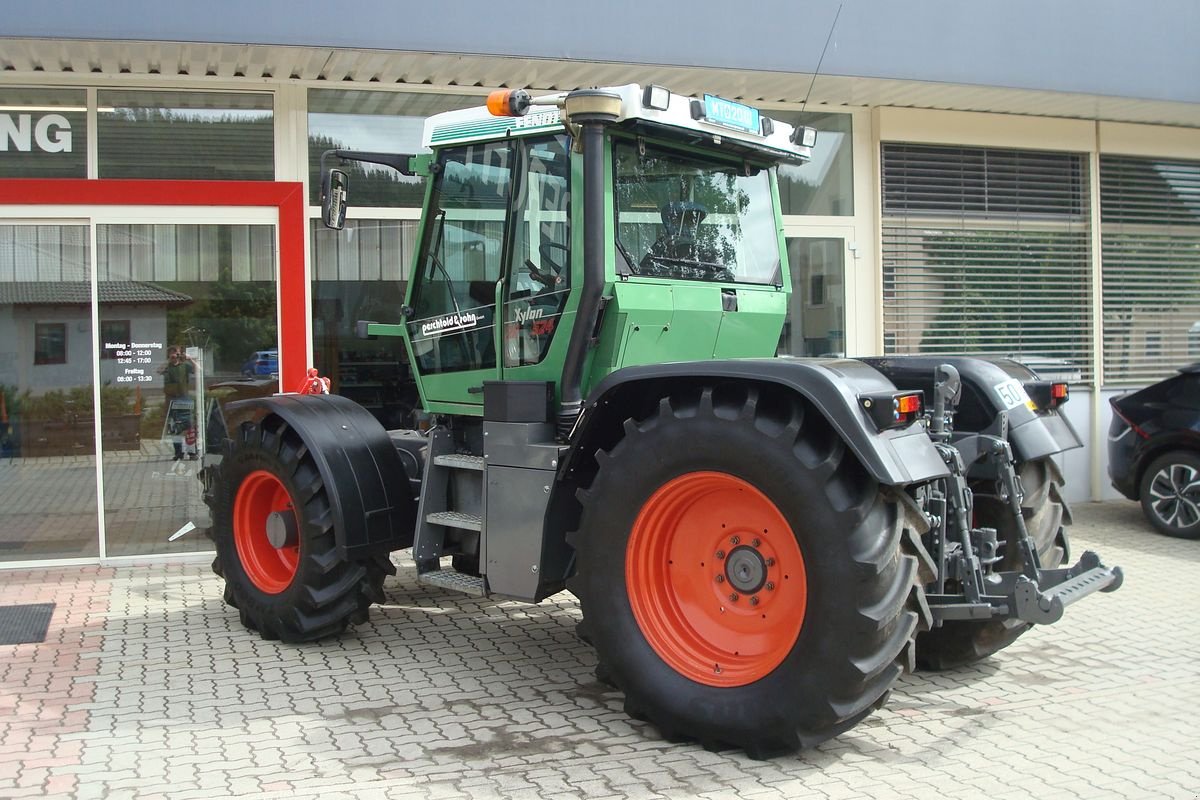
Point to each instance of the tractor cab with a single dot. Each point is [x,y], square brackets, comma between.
[683,232]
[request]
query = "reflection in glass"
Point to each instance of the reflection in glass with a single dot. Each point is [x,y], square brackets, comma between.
[47,421]
[360,273]
[825,185]
[815,323]
[386,122]
[188,317]
[186,135]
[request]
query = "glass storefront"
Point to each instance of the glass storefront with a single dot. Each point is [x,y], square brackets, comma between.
[185,320]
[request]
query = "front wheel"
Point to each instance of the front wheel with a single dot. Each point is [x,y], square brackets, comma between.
[276,549]
[1170,494]
[742,578]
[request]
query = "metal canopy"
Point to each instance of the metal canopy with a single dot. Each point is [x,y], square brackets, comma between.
[33,60]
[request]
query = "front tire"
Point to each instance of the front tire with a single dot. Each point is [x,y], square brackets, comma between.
[958,643]
[742,577]
[1170,494]
[276,549]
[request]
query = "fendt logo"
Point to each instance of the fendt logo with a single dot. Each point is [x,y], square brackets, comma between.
[51,133]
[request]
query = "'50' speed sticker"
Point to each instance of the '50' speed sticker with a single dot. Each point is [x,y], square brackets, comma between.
[1012,394]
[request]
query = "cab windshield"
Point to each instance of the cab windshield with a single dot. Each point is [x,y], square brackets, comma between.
[680,216]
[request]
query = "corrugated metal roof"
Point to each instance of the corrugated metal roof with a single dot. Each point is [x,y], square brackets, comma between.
[31,58]
[79,293]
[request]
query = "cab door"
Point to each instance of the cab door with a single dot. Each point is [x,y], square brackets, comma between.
[538,283]
[452,328]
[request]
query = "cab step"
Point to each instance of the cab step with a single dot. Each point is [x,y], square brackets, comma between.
[454,581]
[459,461]
[455,519]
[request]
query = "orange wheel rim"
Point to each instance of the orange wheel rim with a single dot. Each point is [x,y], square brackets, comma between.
[715,579]
[269,568]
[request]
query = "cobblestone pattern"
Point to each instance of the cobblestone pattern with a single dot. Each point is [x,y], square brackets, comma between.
[446,697]
[46,688]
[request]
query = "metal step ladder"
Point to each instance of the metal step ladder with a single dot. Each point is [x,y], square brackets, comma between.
[456,479]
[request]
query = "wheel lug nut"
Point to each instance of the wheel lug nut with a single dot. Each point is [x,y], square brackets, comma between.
[753,601]
[756,543]
[720,555]
[720,579]
[770,587]
[735,540]
[733,598]
[770,562]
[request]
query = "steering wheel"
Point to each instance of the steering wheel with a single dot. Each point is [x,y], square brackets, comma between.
[554,265]
[552,278]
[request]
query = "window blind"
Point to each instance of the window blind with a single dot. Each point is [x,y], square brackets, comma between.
[987,251]
[1150,268]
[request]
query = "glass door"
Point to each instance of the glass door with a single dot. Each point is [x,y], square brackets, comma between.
[48,508]
[816,321]
[188,322]
[122,335]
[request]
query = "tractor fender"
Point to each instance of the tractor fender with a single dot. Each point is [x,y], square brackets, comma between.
[832,386]
[1032,434]
[364,477]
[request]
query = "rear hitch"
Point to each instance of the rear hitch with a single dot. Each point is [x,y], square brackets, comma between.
[966,555]
[1044,600]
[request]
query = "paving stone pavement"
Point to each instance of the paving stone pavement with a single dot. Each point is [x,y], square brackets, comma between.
[148,686]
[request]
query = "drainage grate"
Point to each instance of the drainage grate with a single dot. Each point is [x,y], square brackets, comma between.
[25,624]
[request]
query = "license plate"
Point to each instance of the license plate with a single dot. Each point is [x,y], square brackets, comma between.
[731,114]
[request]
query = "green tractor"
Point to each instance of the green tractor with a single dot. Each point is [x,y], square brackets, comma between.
[760,545]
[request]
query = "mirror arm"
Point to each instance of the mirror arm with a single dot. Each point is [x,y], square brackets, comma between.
[401,162]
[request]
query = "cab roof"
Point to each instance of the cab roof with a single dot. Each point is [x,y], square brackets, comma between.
[707,119]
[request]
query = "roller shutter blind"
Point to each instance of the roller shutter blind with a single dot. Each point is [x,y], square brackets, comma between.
[987,251]
[1150,247]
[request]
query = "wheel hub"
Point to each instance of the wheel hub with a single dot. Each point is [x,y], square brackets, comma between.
[265,531]
[746,569]
[282,530]
[716,579]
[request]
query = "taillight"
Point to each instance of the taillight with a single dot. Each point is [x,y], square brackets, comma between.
[893,409]
[1047,395]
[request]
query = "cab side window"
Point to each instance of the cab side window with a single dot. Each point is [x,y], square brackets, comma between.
[540,263]
[454,303]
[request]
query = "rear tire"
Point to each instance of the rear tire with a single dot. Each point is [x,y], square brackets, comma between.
[1170,494]
[303,590]
[958,643]
[828,601]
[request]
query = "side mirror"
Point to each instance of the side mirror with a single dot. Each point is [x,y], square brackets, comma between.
[334,190]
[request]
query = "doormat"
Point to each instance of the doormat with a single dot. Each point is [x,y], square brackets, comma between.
[25,624]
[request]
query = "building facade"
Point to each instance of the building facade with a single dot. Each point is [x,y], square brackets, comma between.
[999,178]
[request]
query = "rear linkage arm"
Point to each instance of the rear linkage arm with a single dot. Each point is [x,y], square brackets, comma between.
[965,554]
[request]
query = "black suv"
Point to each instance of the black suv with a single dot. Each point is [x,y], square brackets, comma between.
[1154,451]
